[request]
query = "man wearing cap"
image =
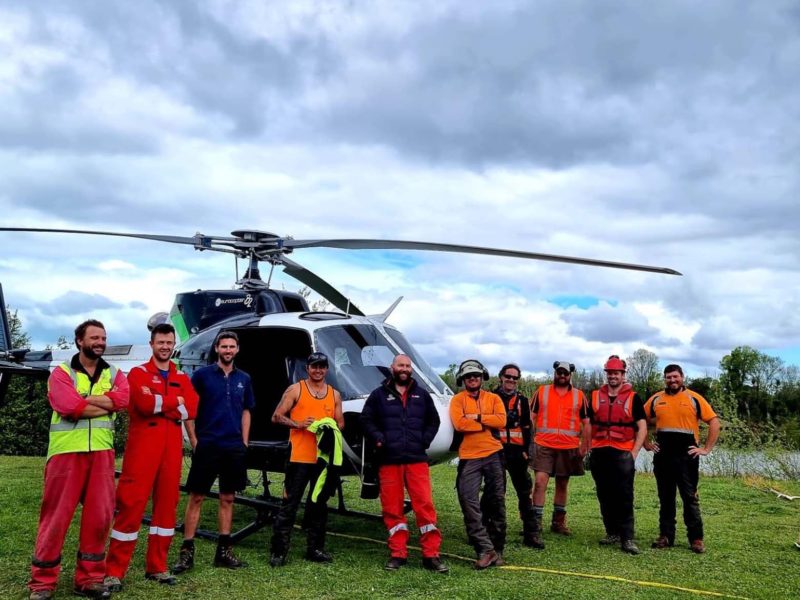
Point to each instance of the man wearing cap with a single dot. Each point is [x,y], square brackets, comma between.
[619,428]
[219,438]
[561,441]
[516,439]
[401,420]
[303,403]
[478,416]
[677,412]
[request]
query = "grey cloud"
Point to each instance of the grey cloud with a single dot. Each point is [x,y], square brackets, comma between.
[75,303]
[137,304]
[603,323]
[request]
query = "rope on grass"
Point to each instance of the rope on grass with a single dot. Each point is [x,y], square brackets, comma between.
[614,578]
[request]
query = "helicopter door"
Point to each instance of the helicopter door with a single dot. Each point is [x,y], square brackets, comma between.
[270,356]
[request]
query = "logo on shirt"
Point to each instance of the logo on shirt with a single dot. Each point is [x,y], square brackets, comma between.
[240,386]
[156,379]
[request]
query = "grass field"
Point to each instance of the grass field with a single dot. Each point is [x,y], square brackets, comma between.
[749,535]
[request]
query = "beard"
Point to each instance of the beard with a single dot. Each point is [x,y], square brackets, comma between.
[402,377]
[91,353]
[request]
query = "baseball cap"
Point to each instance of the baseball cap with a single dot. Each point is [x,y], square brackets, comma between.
[316,358]
[562,364]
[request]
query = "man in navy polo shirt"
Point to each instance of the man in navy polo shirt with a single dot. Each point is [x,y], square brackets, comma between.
[219,439]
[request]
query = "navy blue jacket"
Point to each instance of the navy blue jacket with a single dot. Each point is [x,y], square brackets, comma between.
[405,432]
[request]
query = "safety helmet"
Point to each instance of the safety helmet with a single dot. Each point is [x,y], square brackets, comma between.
[615,363]
[469,367]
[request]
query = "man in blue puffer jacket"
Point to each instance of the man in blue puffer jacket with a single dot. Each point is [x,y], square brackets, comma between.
[400,419]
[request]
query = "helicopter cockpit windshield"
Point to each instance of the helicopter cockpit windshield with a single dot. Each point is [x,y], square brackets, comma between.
[359,357]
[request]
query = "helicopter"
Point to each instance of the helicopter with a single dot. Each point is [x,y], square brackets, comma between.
[277,330]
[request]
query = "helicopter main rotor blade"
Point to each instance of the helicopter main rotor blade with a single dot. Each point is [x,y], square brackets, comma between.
[199,241]
[407,245]
[319,285]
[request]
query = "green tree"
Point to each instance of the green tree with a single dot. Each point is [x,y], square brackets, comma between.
[643,372]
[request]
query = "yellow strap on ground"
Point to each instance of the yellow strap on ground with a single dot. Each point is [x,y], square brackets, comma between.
[654,584]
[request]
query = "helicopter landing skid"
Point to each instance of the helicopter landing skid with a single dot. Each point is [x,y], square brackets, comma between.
[266,507]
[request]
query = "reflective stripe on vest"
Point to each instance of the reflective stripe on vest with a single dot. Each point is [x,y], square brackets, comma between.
[83,435]
[543,422]
[513,435]
[617,423]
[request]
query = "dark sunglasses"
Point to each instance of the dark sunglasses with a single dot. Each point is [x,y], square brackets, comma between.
[512,377]
[473,376]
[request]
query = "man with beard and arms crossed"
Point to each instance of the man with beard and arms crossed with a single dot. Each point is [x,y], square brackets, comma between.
[219,438]
[561,441]
[302,404]
[400,419]
[478,416]
[677,412]
[619,429]
[516,440]
[162,397]
[85,394]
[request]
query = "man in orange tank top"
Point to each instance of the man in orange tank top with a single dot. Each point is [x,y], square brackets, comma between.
[302,404]
[562,439]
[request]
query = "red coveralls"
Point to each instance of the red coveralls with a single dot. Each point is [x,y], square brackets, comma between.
[152,463]
[70,478]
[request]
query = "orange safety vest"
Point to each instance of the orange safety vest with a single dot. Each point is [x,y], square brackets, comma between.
[303,442]
[612,422]
[512,435]
[558,421]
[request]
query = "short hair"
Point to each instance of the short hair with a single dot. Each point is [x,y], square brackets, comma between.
[162,329]
[673,367]
[226,335]
[80,330]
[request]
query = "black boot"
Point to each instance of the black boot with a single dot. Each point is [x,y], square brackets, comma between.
[185,559]
[533,538]
[226,558]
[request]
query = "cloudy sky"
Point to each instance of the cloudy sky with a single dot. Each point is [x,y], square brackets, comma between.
[659,133]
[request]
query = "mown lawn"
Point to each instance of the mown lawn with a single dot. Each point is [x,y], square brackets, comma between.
[749,535]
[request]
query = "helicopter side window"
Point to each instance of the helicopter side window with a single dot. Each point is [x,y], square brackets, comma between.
[419,362]
[360,358]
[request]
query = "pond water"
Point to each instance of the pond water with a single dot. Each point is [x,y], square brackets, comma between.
[736,463]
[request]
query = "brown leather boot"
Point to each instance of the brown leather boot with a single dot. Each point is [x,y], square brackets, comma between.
[559,524]
[485,560]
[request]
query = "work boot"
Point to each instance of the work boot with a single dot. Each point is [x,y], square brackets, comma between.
[42,595]
[227,559]
[630,547]
[319,556]
[500,561]
[485,560]
[162,578]
[277,560]
[394,563]
[559,524]
[698,547]
[610,540]
[113,584]
[662,542]
[185,560]
[435,564]
[97,590]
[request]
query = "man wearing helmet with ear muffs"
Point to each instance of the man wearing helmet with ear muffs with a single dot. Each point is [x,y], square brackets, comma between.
[516,439]
[479,415]
[561,441]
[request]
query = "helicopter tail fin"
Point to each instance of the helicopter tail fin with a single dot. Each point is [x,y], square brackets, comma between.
[385,314]
[5,332]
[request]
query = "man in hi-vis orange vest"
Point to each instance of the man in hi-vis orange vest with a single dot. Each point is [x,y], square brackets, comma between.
[562,439]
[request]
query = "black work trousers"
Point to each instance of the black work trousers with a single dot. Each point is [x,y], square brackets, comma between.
[298,477]
[613,472]
[516,465]
[678,470]
[485,532]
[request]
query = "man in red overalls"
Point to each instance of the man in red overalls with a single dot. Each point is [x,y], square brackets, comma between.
[161,398]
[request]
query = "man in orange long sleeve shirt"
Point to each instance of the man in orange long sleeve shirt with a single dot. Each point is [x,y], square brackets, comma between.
[478,416]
